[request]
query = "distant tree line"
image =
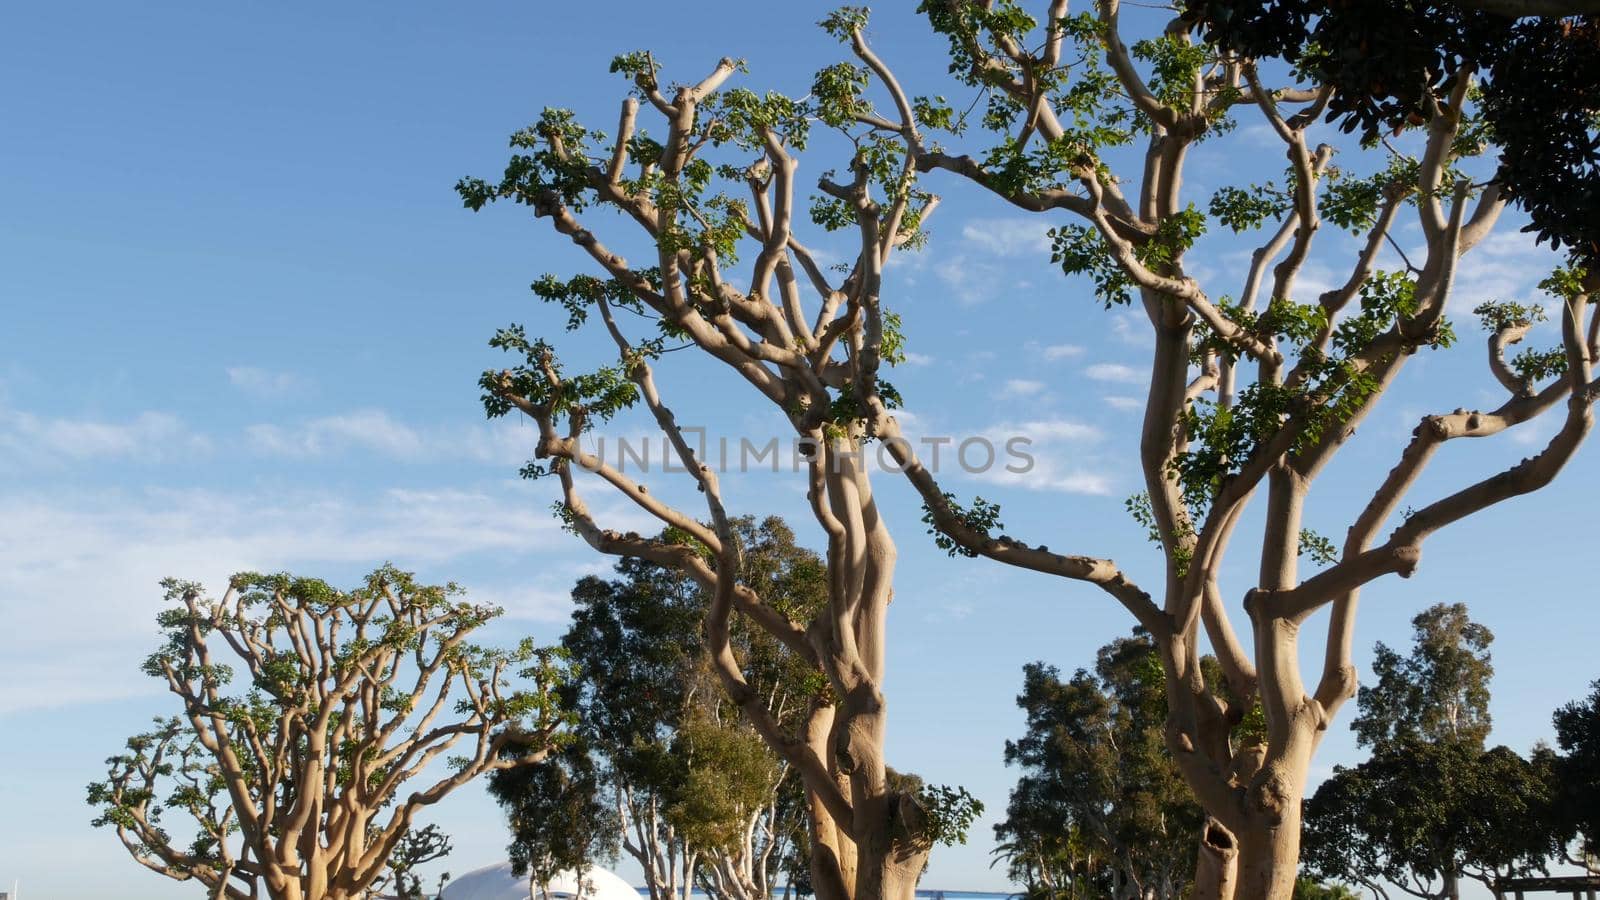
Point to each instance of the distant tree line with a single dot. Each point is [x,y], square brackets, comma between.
[1101,811]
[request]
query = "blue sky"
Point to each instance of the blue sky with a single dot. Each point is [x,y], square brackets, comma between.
[243,315]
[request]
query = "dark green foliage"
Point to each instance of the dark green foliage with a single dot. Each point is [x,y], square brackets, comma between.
[1391,63]
[1439,693]
[1245,210]
[1432,806]
[1429,814]
[557,817]
[1578,771]
[1098,790]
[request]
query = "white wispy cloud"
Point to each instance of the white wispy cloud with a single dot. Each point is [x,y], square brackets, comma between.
[1046,455]
[1128,328]
[1507,265]
[969,280]
[1114,372]
[28,440]
[1126,404]
[1022,387]
[265,384]
[917,359]
[376,431]
[82,567]
[368,429]
[1061,351]
[1008,237]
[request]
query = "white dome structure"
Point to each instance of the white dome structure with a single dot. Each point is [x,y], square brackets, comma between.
[496,882]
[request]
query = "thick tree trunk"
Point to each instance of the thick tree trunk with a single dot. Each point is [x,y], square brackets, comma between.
[1269,854]
[890,856]
[1216,871]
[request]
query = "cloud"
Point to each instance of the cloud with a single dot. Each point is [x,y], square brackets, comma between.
[81,573]
[1022,387]
[29,441]
[970,281]
[264,384]
[369,429]
[1126,404]
[969,270]
[1506,266]
[375,431]
[1061,351]
[1126,327]
[1114,372]
[917,359]
[1008,237]
[1045,455]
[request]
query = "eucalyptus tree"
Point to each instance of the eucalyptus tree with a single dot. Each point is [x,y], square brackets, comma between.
[1433,806]
[312,728]
[1100,800]
[808,343]
[1578,777]
[665,770]
[1439,692]
[1420,818]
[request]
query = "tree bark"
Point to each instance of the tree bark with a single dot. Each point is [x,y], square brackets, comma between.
[1216,871]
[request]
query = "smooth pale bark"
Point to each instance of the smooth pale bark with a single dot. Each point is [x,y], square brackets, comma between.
[1216,871]
[867,838]
[1254,793]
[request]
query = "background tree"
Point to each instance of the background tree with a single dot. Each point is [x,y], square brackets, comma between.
[417,847]
[297,773]
[558,820]
[1432,805]
[1578,777]
[1439,693]
[694,793]
[1100,799]
[720,181]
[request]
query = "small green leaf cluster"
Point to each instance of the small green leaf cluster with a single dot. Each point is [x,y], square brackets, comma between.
[1353,203]
[1536,365]
[950,813]
[837,91]
[982,517]
[584,398]
[1082,250]
[741,114]
[529,176]
[1245,210]
[1175,63]
[936,112]
[845,21]
[1319,548]
[966,24]
[1502,315]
